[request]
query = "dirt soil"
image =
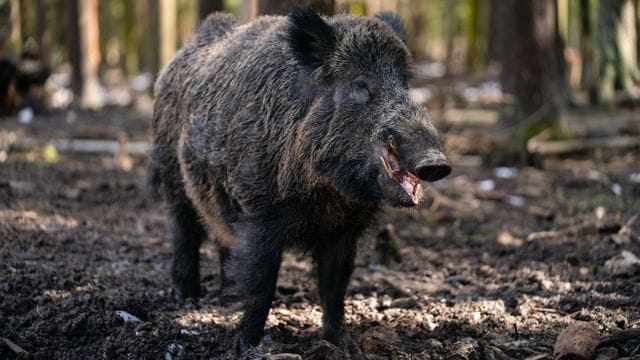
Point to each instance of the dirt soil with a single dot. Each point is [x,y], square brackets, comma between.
[492,266]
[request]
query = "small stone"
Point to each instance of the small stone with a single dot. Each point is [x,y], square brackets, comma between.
[127,317]
[577,341]
[624,264]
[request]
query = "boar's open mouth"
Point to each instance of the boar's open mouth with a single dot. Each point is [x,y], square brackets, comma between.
[409,182]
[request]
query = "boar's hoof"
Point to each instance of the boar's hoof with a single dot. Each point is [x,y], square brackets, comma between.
[188,289]
[332,335]
[244,341]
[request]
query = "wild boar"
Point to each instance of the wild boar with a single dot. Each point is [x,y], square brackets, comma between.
[287,132]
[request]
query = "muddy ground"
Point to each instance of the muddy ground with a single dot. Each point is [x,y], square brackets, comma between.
[493,265]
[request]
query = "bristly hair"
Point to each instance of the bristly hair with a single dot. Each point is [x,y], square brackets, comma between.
[309,36]
[394,22]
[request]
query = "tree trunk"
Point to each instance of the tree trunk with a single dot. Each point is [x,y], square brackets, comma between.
[274,7]
[529,56]
[16,26]
[495,34]
[277,7]
[90,48]
[374,6]
[248,10]
[128,35]
[44,34]
[450,26]
[627,51]
[168,36]
[608,18]
[416,40]
[206,7]
[72,14]
[473,29]
[589,76]
[147,37]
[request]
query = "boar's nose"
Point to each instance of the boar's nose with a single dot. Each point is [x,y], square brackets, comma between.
[434,167]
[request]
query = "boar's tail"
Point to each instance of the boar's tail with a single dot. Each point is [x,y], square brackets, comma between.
[214,27]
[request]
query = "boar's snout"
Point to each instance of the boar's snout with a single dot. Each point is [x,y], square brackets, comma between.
[433,167]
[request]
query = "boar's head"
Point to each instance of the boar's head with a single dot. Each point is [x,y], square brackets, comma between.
[361,131]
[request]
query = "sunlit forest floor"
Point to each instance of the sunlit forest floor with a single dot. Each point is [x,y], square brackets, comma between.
[494,264]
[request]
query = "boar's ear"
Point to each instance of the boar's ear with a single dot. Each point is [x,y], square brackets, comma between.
[310,37]
[394,22]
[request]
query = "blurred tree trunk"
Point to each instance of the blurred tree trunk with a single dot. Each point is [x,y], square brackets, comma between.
[617,49]
[72,14]
[128,35]
[473,29]
[16,26]
[589,76]
[44,34]
[187,20]
[90,53]
[636,4]
[416,41]
[206,7]
[626,38]
[248,10]
[529,54]
[494,43]
[147,36]
[5,26]
[608,17]
[450,32]
[375,6]
[167,24]
[277,7]
[274,7]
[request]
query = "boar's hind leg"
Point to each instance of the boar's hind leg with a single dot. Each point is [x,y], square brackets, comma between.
[225,282]
[254,268]
[334,267]
[187,236]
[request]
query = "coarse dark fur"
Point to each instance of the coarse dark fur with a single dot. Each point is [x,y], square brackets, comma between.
[269,136]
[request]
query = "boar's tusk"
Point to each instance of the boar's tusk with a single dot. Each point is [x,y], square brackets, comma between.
[387,167]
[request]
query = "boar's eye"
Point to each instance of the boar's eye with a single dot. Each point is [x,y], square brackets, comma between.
[360,91]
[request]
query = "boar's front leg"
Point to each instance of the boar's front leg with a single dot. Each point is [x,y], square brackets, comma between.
[254,265]
[335,262]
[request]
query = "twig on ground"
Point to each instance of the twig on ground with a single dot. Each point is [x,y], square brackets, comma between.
[620,336]
[441,199]
[569,146]
[545,310]
[537,357]
[15,348]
